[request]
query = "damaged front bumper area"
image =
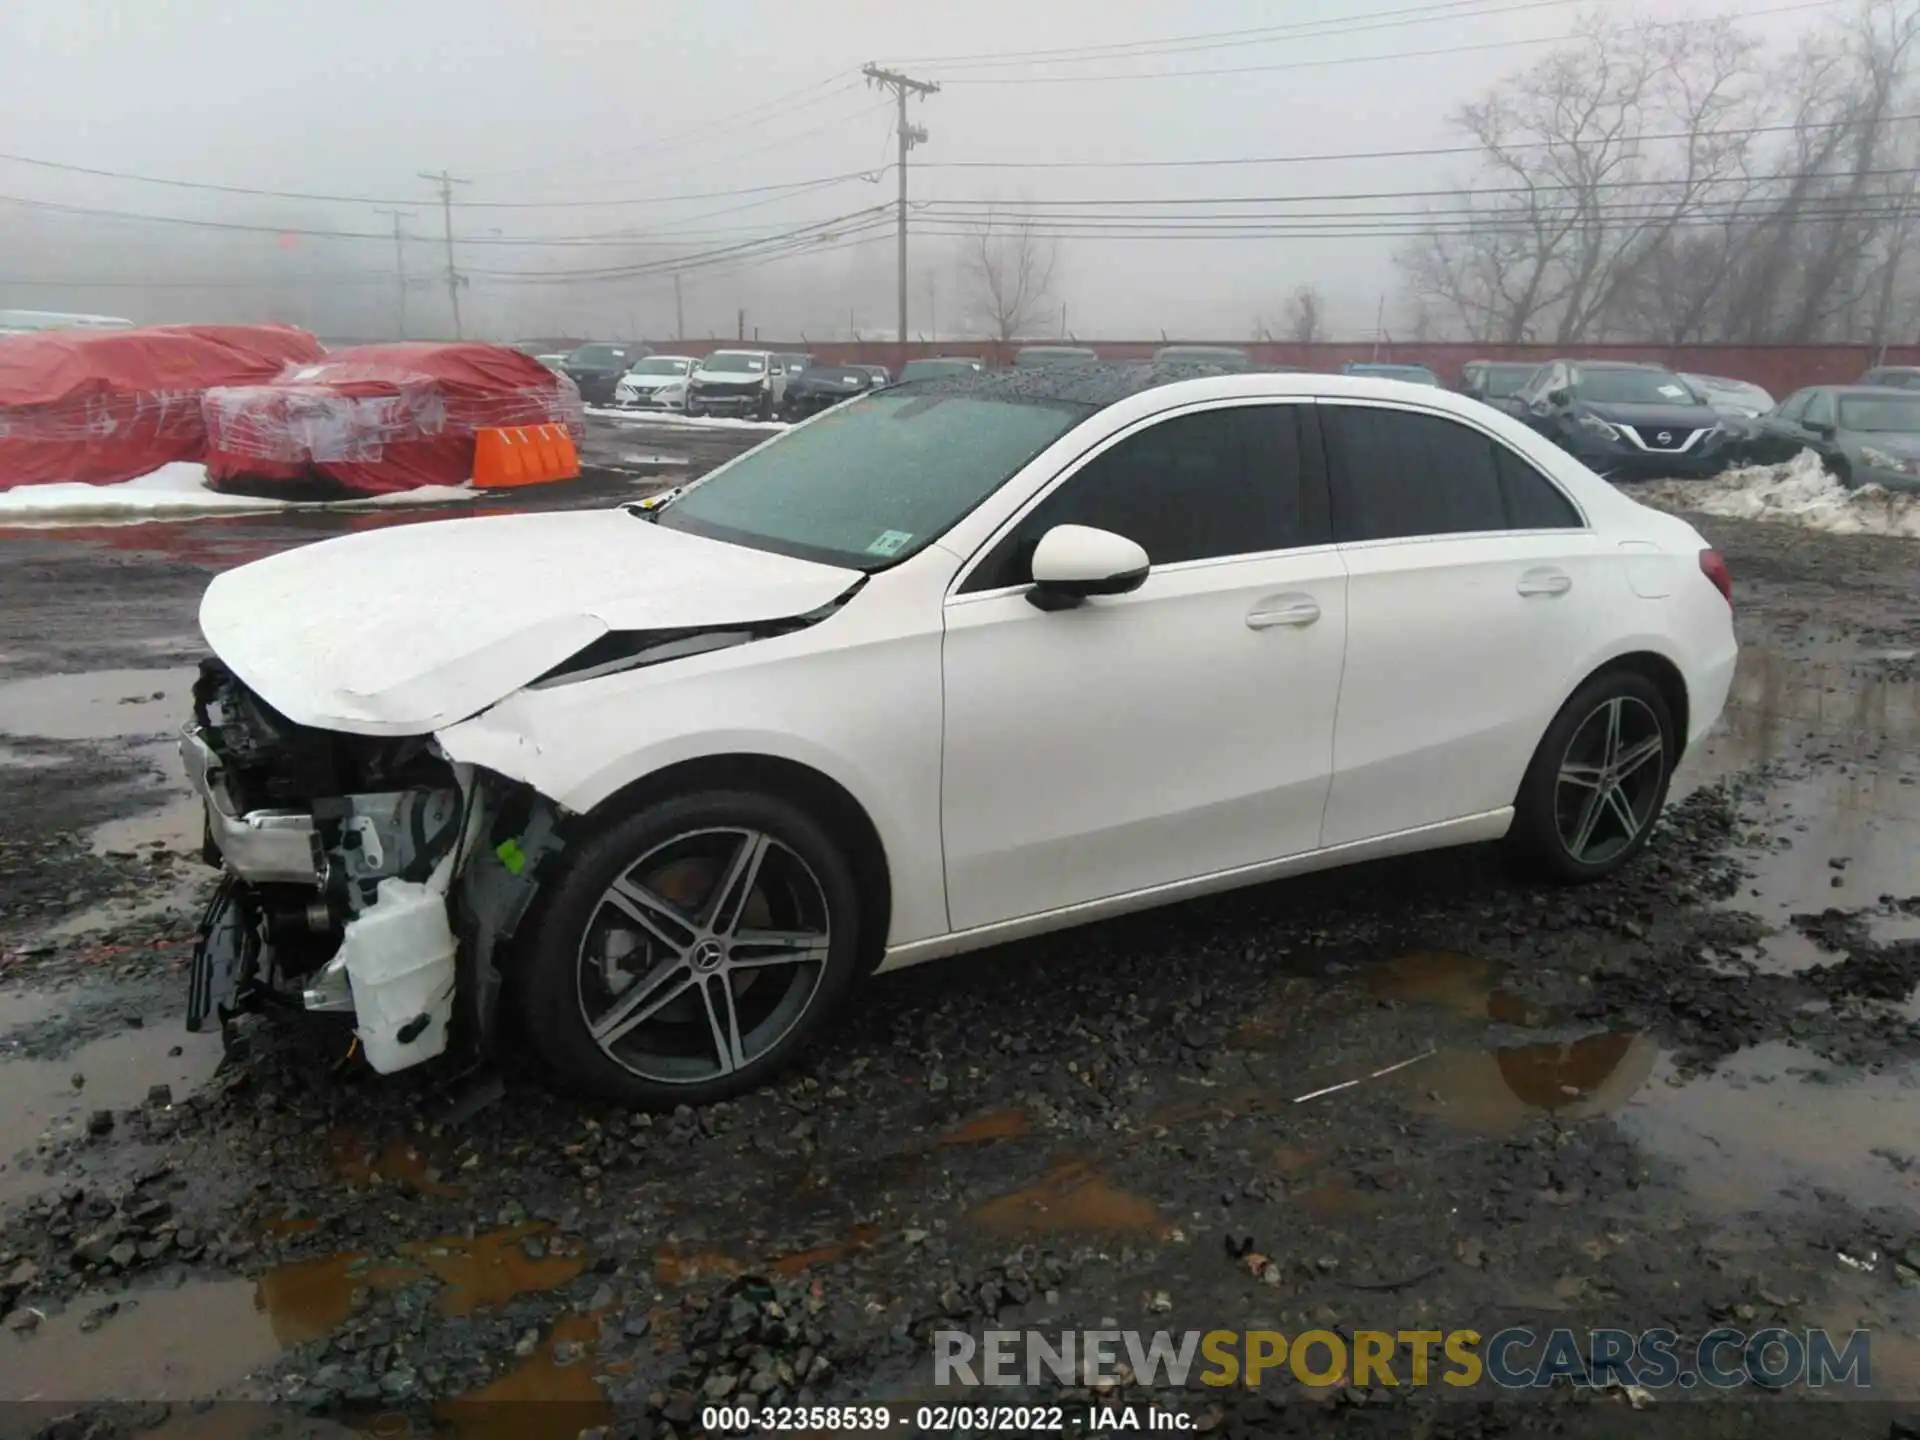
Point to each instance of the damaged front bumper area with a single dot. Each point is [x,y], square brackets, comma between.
[365,876]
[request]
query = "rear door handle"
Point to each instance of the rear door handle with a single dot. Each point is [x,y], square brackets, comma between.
[1546,580]
[1293,610]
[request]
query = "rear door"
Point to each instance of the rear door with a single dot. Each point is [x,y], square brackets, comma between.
[1475,589]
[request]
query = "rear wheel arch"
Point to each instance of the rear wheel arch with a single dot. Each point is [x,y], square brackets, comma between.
[1666,677]
[826,799]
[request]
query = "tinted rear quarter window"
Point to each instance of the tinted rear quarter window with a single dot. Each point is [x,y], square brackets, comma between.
[1397,475]
[1195,487]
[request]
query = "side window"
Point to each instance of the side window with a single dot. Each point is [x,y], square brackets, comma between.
[1196,487]
[1819,408]
[1791,407]
[1532,501]
[1397,474]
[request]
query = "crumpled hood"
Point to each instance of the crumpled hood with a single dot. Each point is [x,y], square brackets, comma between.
[1665,417]
[407,629]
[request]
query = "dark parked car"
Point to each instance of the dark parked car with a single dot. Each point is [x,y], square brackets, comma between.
[1380,370]
[1494,381]
[1038,357]
[597,367]
[818,387]
[1893,377]
[1226,357]
[1626,421]
[940,365]
[1865,435]
[881,375]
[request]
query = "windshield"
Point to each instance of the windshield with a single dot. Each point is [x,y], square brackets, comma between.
[732,362]
[1881,414]
[601,355]
[661,365]
[791,363]
[1632,387]
[1497,382]
[836,373]
[874,480]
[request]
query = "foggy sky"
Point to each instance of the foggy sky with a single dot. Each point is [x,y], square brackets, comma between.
[574,100]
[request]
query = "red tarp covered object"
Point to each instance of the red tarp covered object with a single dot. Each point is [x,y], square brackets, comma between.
[105,406]
[381,418]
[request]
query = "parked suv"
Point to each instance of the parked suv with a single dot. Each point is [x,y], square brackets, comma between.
[737,382]
[1626,421]
[597,367]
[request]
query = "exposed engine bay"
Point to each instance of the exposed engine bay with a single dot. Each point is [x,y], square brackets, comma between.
[366,876]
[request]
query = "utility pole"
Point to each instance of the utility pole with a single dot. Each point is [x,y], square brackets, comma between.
[679,310]
[910,135]
[455,279]
[399,268]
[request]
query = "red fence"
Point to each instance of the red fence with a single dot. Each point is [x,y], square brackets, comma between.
[1777,368]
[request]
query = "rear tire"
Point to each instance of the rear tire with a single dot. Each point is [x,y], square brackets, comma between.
[691,950]
[1597,782]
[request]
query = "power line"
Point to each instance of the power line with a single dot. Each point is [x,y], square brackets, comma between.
[1423,152]
[1443,10]
[1352,59]
[819,230]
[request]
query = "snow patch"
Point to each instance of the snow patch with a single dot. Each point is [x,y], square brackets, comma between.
[179,491]
[1800,492]
[666,418]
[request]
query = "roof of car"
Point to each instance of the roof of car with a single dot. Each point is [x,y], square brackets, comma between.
[1098,383]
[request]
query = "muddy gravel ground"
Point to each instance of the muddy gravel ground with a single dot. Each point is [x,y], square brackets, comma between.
[1683,1099]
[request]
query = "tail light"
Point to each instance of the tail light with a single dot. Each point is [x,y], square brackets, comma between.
[1715,569]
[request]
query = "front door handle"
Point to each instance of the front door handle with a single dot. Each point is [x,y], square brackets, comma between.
[1283,610]
[1546,580]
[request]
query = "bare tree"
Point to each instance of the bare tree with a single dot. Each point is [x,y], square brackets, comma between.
[1305,316]
[1007,266]
[1590,161]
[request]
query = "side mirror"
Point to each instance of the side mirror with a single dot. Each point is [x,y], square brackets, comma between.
[1820,428]
[1073,562]
[1560,396]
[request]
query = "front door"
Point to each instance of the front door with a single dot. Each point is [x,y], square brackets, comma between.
[1143,739]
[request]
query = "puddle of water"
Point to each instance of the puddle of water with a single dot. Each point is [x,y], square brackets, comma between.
[491,1269]
[160,1345]
[675,1267]
[1462,984]
[996,1125]
[1776,1122]
[1492,1092]
[100,705]
[119,1070]
[357,1161]
[21,1008]
[13,758]
[1864,817]
[176,825]
[306,1299]
[543,1399]
[1071,1198]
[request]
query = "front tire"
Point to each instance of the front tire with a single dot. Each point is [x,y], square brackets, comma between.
[691,950]
[1597,782]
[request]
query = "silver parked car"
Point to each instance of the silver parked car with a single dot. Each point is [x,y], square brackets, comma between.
[1865,435]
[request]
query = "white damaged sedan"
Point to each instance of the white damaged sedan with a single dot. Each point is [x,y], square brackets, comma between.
[965,660]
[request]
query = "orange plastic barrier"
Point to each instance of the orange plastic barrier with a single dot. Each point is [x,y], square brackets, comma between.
[523,455]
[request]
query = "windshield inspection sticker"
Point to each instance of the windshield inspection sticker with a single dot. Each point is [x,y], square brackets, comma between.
[1673,392]
[889,542]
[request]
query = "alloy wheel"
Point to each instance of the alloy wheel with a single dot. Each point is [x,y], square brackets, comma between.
[703,955]
[1610,780]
